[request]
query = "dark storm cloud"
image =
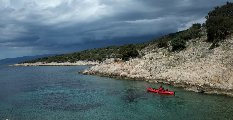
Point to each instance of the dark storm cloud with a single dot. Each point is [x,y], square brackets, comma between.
[58,26]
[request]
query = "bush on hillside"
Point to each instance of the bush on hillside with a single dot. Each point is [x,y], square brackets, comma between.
[162,43]
[128,52]
[178,39]
[219,23]
[178,44]
[193,32]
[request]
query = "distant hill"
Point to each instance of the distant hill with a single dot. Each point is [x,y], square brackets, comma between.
[8,61]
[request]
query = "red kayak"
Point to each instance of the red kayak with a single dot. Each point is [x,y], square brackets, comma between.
[166,92]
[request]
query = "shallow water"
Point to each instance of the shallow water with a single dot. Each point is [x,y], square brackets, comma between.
[60,93]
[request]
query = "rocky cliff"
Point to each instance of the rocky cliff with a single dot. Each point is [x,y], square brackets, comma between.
[196,68]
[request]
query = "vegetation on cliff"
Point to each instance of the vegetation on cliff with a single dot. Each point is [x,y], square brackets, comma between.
[178,40]
[219,23]
[98,54]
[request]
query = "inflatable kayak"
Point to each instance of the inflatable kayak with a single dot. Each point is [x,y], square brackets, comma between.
[166,92]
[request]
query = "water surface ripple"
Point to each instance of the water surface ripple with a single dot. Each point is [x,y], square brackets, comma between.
[61,93]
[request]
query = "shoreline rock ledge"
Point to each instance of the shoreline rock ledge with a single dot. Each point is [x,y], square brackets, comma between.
[197,68]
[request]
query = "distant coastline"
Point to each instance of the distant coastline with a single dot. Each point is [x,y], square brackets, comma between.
[77,63]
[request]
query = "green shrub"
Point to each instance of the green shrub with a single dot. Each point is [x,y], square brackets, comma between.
[128,52]
[219,23]
[178,44]
[191,33]
[162,42]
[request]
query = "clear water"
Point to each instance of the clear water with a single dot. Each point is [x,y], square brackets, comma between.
[61,93]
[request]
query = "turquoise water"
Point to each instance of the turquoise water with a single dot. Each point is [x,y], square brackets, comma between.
[61,93]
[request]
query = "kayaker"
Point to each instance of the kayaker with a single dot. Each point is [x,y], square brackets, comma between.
[160,88]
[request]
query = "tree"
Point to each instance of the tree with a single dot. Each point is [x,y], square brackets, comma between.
[128,51]
[219,23]
[178,44]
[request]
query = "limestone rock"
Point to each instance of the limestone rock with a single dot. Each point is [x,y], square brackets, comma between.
[194,66]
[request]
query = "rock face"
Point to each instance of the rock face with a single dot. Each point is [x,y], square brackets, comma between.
[196,68]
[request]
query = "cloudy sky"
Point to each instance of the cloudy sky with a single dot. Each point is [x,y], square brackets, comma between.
[33,27]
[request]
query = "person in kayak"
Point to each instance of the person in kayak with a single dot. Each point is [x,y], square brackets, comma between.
[161,88]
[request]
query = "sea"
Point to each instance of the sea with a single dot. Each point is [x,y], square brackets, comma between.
[62,93]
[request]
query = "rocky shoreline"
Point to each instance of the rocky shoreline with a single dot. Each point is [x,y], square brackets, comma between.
[196,68]
[77,63]
[189,87]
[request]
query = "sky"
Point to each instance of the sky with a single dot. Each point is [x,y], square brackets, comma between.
[35,27]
